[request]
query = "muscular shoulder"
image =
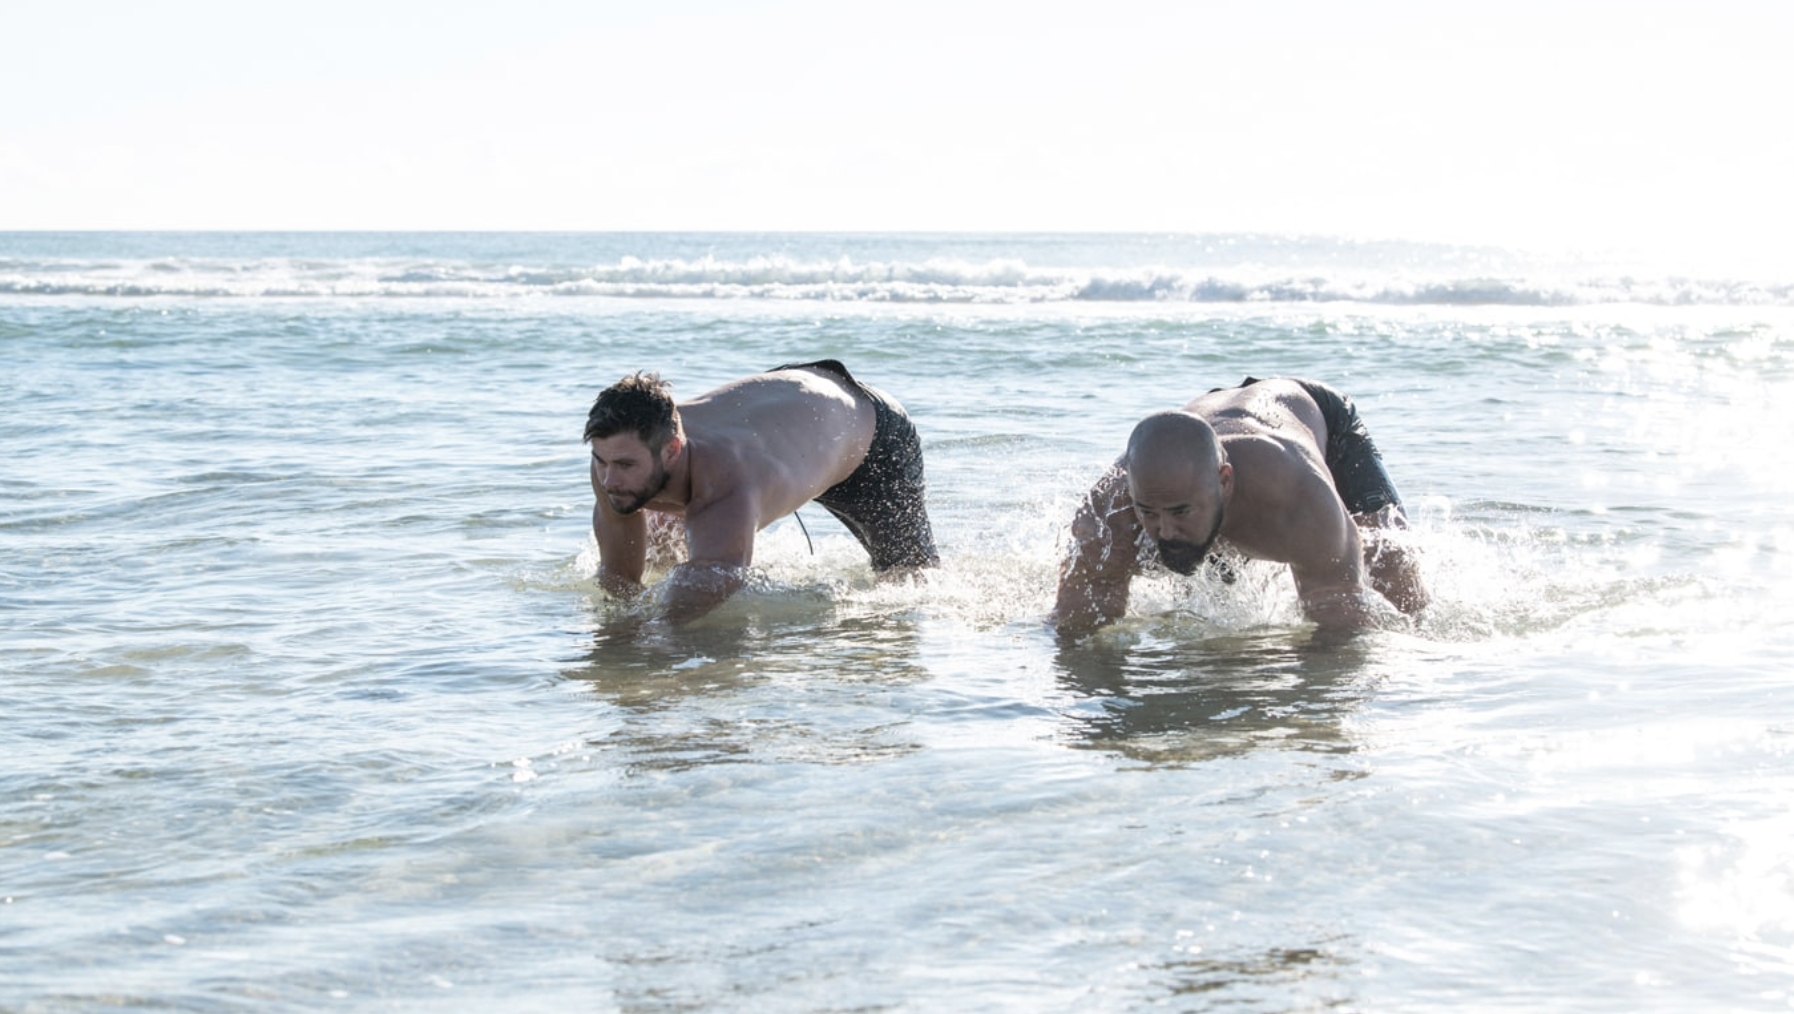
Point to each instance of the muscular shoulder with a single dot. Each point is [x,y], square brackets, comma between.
[1285,507]
[1273,458]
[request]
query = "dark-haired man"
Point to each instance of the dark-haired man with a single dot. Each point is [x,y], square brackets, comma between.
[1282,470]
[738,458]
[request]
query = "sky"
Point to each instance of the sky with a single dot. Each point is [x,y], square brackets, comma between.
[1569,122]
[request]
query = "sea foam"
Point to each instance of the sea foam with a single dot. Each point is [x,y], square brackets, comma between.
[780,277]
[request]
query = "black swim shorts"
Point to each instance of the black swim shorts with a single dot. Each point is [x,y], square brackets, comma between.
[1352,458]
[882,502]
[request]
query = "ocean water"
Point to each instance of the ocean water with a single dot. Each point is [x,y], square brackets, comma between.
[310,702]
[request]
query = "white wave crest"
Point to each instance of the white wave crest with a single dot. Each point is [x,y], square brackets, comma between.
[780,277]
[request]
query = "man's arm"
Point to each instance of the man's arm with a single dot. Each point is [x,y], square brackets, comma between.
[721,537]
[1326,559]
[622,546]
[693,590]
[1094,579]
[1389,564]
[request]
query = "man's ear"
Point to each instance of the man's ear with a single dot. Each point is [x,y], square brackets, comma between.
[671,450]
[1226,478]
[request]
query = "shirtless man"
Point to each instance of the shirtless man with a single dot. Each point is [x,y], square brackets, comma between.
[735,460]
[1281,470]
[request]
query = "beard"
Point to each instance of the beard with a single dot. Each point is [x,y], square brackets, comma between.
[1180,556]
[1183,556]
[637,501]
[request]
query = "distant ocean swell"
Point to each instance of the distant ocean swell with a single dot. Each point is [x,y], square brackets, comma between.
[845,280]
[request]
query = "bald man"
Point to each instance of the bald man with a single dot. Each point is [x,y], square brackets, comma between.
[1280,470]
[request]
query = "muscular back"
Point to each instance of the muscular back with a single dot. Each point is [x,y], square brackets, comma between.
[1279,409]
[776,439]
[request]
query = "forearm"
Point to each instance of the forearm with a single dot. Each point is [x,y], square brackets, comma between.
[622,554]
[693,590]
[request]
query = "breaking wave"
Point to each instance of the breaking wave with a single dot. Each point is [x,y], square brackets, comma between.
[778,277]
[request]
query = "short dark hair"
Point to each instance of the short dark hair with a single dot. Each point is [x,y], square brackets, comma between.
[640,404]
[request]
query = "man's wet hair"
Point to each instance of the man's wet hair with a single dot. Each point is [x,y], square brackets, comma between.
[640,404]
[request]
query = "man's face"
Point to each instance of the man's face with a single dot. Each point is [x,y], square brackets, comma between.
[1183,523]
[627,471]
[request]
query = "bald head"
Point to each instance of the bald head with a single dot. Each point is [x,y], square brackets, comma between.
[1174,447]
[1179,481]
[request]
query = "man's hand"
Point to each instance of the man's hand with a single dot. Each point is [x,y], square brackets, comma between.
[617,585]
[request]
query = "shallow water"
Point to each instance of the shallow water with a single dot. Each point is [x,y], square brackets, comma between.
[311,702]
